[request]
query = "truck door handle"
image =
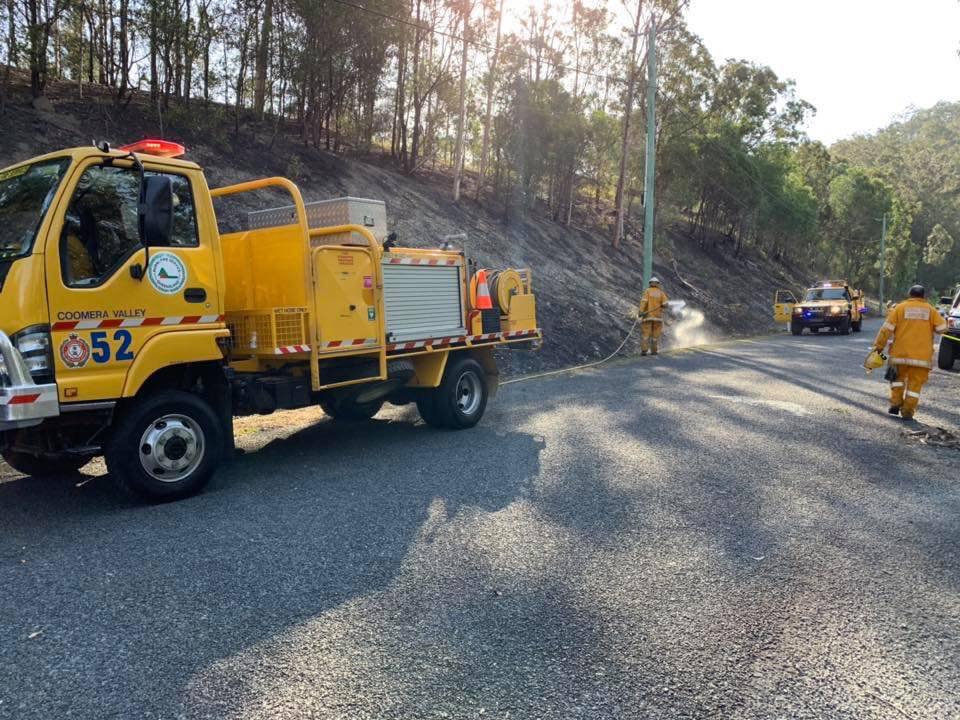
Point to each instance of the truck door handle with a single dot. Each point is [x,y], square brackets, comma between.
[195,295]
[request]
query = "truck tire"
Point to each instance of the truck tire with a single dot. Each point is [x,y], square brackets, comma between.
[461,399]
[427,407]
[165,447]
[796,328]
[46,466]
[346,409]
[947,354]
[844,327]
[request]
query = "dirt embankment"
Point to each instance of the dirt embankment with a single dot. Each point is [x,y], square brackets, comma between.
[585,289]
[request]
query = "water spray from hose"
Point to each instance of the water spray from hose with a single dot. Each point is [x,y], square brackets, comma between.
[690,330]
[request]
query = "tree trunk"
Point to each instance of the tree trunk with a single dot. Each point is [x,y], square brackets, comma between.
[398,104]
[154,50]
[458,155]
[124,51]
[625,138]
[189,48]
[417,99]
[11,54]
[488,115]
[263,56]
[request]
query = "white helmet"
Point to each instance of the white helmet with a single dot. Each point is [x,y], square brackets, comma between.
[654,280]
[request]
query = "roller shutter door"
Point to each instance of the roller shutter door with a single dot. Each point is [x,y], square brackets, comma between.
[422,301]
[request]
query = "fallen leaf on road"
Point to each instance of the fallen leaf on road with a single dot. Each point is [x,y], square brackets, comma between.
[34,634]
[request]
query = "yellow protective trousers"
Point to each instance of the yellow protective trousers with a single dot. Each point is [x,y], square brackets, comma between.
[650,341]
[905,390]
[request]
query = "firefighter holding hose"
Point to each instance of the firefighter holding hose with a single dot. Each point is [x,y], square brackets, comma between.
[913,324]
[651,315]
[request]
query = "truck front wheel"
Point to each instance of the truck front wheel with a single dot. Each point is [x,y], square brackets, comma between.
[44,466]
[796,328]
[165,447]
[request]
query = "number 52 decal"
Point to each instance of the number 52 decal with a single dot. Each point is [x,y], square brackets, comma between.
[102,348]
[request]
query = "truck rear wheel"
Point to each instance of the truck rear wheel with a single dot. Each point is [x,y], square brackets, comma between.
[947,354]
[166,447]
[427,407]
[461,399]
[44,466]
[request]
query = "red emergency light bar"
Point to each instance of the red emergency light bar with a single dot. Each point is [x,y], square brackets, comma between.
[158,148]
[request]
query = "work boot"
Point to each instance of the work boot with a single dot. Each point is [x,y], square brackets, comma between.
[894,409]
[643,353]
[907,416]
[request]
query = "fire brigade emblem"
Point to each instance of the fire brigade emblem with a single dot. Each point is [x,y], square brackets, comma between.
[167,273]
[74,351]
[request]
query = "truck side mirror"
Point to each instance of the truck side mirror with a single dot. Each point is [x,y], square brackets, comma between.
[156,210]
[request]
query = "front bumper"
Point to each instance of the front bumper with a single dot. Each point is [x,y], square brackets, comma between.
[23,403]
[818,320]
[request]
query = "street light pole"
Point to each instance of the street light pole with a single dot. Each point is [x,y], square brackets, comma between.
[651,159]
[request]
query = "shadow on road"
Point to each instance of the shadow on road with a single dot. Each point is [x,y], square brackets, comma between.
[131,601]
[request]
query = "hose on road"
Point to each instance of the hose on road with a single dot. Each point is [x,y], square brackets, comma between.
[585,365]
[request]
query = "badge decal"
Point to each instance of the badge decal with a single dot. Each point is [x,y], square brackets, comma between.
[74,351]
[167,273]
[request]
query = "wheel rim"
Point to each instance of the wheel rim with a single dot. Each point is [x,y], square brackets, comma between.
[171,448]
[469,393]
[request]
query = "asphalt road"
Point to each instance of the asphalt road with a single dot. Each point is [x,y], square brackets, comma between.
[733,532]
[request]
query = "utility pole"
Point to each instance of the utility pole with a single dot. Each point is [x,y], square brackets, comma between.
[651,159]
[883,258]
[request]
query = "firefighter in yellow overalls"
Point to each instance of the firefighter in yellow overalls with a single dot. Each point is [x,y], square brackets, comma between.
[912,324]
[651,316]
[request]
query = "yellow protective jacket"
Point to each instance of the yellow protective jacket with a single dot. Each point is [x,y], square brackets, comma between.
[912,324]
[652,302]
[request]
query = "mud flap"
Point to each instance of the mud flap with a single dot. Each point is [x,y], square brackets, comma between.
[484,356]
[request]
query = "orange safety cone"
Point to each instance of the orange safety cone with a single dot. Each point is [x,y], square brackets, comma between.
[483,292]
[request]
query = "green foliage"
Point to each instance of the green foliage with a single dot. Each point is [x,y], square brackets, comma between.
[939,245]
[919,158]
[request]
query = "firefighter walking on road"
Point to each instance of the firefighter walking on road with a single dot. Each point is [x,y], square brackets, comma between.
[912,324]
[651,315]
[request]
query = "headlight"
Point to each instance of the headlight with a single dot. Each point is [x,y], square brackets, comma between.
[835,309]
[797,310]
[34,346]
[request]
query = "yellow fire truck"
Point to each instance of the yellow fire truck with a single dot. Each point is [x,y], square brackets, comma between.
[131,328]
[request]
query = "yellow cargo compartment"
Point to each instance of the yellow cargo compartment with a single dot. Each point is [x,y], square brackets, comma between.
[523,313]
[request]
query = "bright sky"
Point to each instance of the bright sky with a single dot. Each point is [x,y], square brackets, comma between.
[860,62]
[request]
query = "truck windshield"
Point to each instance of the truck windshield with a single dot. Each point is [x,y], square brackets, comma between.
[25,195]
[814,294]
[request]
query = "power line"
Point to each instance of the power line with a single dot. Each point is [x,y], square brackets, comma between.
[477,43]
